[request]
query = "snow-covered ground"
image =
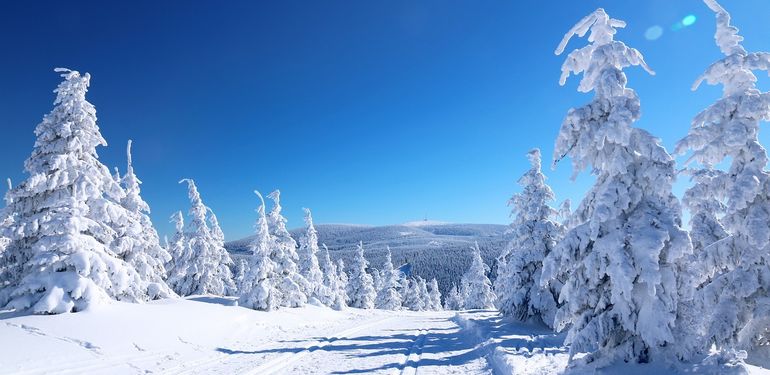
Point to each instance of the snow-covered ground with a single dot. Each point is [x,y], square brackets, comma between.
[208,335]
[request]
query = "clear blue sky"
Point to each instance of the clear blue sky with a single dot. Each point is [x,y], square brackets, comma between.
[371,112]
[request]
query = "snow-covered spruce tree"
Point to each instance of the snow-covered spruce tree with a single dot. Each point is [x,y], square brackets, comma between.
[360,284]
[138,240]
[204,268]
[422,289]
[412,298]
[620,293]
[239,274]
[59,258]
[453,299]
[434,296]
[332,281]
[308,263]
[293,286]
[224,256]
[6,219]
[177,249]
[343,280]
[376,279]
[258,290]
[737,288]
[476,287]
[535,233]
[696,270]
[388,297]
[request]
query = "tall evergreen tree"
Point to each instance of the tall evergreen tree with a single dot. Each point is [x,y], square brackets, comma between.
[343,280]
[293,286]
[59,258]
[736,291]
[332,281]
[620,292]
[176,248]
[205,264]
[434,295]
[259,288]
[308,263]
[476,288]
[138,240]
[388,297]
[453,299]
[413,299]
[360,284]
[535,234]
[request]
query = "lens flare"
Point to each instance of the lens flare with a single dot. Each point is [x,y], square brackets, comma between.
[688,20]
[653,33]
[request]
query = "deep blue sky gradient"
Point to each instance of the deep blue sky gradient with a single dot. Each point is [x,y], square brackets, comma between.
[370,112]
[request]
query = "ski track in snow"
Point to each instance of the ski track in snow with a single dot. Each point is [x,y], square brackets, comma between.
[412,360]
[243,361]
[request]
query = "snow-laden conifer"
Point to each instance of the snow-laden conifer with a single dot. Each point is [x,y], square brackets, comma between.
[138,242]
[413,299]
[258,290]
[308,263]
[59,258]
[388,297]
[360,284]
[422,288]
[176,248]
[434,296]
[453,300]
[332,280]
[293,286]
[620,259]
[475,285]
[535,233]
[376,280]
[735,293]
[6,220]
[204,266]
[343,280]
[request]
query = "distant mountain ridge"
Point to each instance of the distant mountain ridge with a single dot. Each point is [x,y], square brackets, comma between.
[433,249]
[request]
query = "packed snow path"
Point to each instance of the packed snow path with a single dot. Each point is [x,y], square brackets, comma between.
[389,344]
[208,336]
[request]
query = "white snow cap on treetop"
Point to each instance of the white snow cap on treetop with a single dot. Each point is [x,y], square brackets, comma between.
[727,37]
[603,29]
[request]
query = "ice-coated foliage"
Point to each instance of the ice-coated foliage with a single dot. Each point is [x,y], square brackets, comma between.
[332,280]
[535,234]
[388,296]
[476,288]
[343,280]
[376,280]
[293,287]
[620,258]
[138,242]
[258,289]
[413,298]
[308,263]
[176,248]
[6,220]
[453,300]
[360,284]
[203,266]
[422,288]
[59,258]
[434,296]
[733,271]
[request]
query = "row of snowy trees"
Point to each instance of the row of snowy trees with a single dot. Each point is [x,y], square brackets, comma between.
[73,235]
[620,273]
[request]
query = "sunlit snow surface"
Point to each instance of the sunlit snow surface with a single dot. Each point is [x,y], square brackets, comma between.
[208,335]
